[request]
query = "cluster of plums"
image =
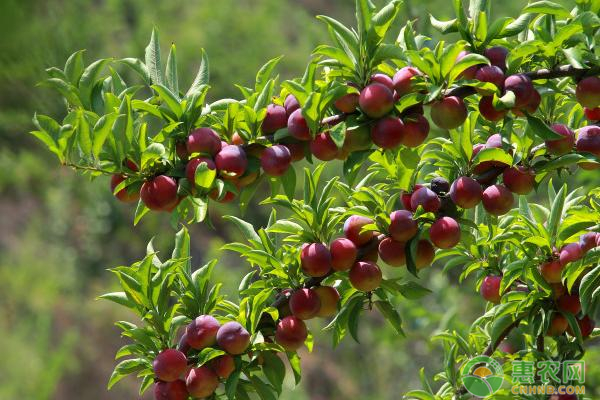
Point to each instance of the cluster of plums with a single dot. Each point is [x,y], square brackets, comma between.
[171,365]
[551,271]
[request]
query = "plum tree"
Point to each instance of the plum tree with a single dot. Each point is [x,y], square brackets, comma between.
[233,338]
[305,303]
[202,332]
[392,192]
[169,365]
[201,382]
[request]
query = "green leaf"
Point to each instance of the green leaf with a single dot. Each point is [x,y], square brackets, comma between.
[125,368]
[153,60]
[84,134]
[274,370]
[412,290]
[385,17]
[245,228]
[289,182]
[74,67]
[338,134]
[467,61]
[119,298]
[444,27]
[390,314]
[541,129]
[68,91]
[202,78]
[171,73]
[204,177]
[139,67]
[170,99]
[556,211]
[547,7]
[493,154]
[152,153]
[265,73]
[88,80]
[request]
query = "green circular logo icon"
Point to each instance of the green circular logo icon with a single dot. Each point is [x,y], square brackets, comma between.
[482,376]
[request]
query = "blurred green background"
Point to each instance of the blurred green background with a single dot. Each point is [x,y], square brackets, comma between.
[59,231]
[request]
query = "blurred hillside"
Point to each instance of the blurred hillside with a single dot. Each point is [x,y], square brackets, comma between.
[59,232]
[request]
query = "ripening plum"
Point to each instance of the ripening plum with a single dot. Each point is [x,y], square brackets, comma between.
[231,161]
[297,150]
[519,179]
[348,103]
[276,160]
[588,92]
[497,56]
[558,325]
[223,365]
[226,196]
[593,114]
[233,338]
[491,74]
[353,227]
[588,140]
[297,126]
[323,147]
[426,198]
[531,106]
[203,140]
[522,87]
[329,298]
[388,133]
[449,113]
[376,100]
[365,276]
[175,390]
[291,333]
[124,195]
[425,254]
[305,303]
[192,165]
[445,233]
[315,259]
[402,225]
[201,382]
[497,200]
[569,253]
[405,197]
[369,254]
[275,119]
[466,192]
[588,241]
[562,146]
[392,252]
[160,193]
[440,185]
[569,303]
[403,80]
[586,326]
[551,271]
[169,364]
[488,111]
[202,332]
[416,129]
[384,80]
[343,254]
[290,104]
[490,288]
